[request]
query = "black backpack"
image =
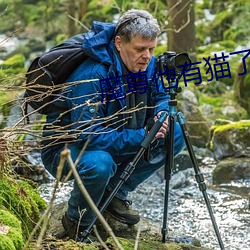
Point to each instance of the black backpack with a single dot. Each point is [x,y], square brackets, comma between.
[47,74]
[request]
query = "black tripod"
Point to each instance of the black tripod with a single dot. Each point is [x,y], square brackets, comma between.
[169,163]
[129,168]
[168,166]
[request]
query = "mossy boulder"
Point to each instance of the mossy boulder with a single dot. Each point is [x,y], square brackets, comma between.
[231,169]
[12,70]
[221,106]
[16,61]
[197,125]
[242,86]
[22,200]
[128,244]
[11,237]
[150,235]
[232,139]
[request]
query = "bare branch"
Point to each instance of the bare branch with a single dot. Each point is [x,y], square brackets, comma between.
[66,154]
[79,22]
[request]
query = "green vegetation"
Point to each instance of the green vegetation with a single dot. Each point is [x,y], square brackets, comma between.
[237,129]
[22,201]
[11,237]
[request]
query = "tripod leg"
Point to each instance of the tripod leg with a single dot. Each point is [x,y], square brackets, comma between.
[199,176]
[129,169]
[168,173]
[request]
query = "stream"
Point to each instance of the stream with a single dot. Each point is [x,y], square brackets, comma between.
[187,212]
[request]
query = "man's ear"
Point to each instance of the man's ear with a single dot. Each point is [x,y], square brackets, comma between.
[118,42]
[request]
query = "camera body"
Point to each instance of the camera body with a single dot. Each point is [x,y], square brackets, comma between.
[170,61]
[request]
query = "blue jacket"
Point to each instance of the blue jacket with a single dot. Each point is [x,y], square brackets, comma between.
[89,118]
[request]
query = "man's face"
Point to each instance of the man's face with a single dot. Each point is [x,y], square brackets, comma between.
[137,53]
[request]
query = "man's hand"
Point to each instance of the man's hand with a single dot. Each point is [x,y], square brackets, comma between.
[164,128]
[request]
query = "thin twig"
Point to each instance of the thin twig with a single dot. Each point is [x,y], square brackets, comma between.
[137,236]
[77,21]
[99,238]
[66,154]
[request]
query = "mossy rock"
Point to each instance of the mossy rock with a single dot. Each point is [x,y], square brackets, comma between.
[21,199]
[13,70]
[128,244]
[242,86]
[231,169]
[11,237]
[16,61]
[232,139]
[150,236]
[220,105]
[197,125]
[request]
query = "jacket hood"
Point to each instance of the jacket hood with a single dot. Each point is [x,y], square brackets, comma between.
[98,42]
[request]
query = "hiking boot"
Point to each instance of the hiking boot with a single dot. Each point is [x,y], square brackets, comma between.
[75,231]
[121,211]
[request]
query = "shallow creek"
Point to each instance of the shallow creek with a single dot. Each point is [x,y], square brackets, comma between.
[187,212]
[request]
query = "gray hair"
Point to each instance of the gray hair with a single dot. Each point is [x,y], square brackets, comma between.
[137,22]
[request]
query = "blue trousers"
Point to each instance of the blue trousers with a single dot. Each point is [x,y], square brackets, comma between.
[100,170]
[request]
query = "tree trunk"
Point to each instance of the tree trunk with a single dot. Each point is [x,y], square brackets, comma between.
[83,7]
[72,13]
[181,34]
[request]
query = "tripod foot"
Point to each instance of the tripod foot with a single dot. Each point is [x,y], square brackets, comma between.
[164,232]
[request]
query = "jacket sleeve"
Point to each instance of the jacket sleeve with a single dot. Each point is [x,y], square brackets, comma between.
[89,115]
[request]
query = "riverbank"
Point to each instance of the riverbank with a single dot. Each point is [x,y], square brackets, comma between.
[188,215]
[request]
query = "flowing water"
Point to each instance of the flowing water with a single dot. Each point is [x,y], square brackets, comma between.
[187,212]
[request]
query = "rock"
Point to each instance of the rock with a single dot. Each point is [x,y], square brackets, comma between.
[181,179]
[222,122]
[228,110]
[30,167]
[242,87]
[197,125]
[149,238]
[206,109]
[231,169]
[183,161]
[189,96]
[229,140]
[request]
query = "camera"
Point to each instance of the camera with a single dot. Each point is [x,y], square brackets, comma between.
[169,63]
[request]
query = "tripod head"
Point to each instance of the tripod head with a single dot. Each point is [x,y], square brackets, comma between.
[169,64]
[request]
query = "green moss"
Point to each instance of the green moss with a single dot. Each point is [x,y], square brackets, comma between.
[16,237]
[242,86]
[219,131]
[128,244]
[212,100]
[9,219]
[22,200]
[234,125]
[13,239]
[16,61]
[6,243]
[12,71]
